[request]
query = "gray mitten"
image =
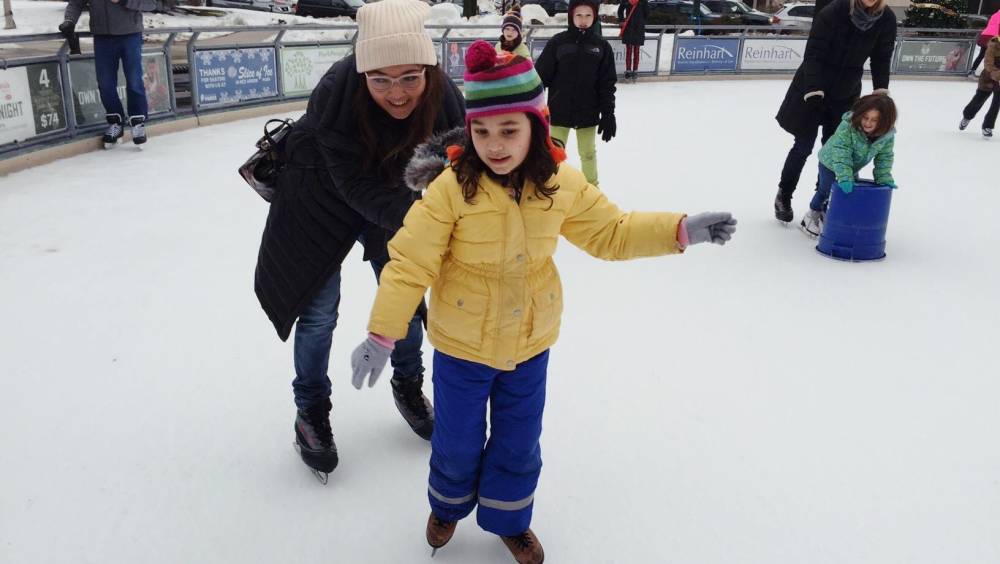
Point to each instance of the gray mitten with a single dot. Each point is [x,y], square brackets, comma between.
[715,227]
[369,358]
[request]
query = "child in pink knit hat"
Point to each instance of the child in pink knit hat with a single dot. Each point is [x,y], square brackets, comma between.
[483,239]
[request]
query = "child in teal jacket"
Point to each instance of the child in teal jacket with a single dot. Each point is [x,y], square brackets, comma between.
[866,133]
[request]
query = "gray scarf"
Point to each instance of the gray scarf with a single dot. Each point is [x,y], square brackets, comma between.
[861,18]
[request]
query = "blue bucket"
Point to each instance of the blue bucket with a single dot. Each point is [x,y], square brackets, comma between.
[855,223]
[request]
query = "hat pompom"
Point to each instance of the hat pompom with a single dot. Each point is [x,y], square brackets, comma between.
[480,56]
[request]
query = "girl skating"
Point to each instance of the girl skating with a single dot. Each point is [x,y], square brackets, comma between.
[483,238]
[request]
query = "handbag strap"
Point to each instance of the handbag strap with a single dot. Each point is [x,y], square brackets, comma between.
[273,136]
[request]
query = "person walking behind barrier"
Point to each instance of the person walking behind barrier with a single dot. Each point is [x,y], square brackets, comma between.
[578,68]
[632,15]
[989,84]
[843,36]
[343,184]
[117,29]
[865,133]
[511,38]
[991,30]
[483,238]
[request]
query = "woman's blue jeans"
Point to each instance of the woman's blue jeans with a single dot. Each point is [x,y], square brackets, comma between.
[314,338]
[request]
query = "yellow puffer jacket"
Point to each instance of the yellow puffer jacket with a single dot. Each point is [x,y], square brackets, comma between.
[496,298]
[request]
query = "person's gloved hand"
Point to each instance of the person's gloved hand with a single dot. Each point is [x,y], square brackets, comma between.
[715,227]
[816,106]
[369,358]
[846,186]
[607,127]
[68,30]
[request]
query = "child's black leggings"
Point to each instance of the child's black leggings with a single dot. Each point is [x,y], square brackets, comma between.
[977,102]
[632,57]
[979,58]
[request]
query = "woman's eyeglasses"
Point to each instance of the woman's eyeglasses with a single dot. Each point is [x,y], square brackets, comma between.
[409,81]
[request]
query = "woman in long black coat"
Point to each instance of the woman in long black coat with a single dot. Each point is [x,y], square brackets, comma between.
[344,184]
[844,35]
[632,15]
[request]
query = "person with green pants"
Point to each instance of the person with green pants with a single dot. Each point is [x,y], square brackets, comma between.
[578,69]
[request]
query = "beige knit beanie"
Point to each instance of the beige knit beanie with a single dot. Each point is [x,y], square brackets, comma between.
[391,32]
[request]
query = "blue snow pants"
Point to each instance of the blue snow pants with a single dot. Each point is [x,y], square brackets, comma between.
[500,474]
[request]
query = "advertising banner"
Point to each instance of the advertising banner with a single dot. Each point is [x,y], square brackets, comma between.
[647,55]
[16,120]
[87,98]
[302,67]
[31,102]
[933,56]
[536,46]
[772,54]
[230,76]
[698,54]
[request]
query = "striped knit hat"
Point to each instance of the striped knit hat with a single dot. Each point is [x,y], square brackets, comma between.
[501,83]
[513,18]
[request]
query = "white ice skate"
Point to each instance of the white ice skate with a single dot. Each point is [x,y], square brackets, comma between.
[812,223]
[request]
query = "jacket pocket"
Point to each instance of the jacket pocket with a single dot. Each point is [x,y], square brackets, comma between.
[459,315]
[546,311]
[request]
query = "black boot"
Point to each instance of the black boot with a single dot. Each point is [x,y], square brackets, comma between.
[783,207]
[412,404]
[314,438]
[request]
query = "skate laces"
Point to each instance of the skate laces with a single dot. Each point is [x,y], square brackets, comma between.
[522,540]
[412,395]
[441,523]
[318,417]
[115,130]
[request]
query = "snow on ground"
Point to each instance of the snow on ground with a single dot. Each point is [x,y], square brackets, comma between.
[755,403]
[43,16]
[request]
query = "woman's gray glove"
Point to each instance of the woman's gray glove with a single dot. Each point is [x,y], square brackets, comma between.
[715,227]
[369,358]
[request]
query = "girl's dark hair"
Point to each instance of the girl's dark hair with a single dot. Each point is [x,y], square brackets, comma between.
[538,166]
[388,155]
[509,46]
[880,103]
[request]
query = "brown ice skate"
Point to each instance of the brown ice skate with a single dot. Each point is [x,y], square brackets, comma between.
[439,532]
[525,548]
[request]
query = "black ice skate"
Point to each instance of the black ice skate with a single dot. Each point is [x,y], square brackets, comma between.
[987,132]
[963,124]
[412,404]
[138,125]
[314,440]
[114,131]
[783,208]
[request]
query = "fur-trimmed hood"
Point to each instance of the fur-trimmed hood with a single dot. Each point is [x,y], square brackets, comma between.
[431,157]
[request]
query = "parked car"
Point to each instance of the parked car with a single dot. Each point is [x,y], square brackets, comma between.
[328,8]
[747,15]
[284,6]
[262,5]
[794,16]
[551,7]
[681,12]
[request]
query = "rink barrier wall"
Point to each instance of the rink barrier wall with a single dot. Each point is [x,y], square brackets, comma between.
[53,99]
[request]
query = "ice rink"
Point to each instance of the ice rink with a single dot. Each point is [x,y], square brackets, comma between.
[756,403]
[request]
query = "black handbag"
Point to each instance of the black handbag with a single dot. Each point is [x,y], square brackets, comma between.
[262,168]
